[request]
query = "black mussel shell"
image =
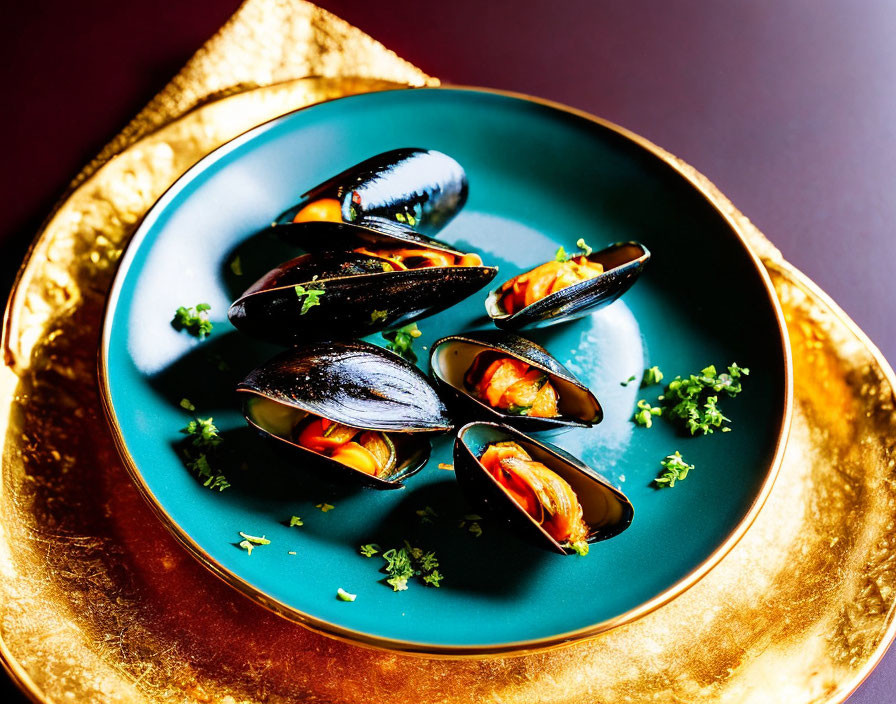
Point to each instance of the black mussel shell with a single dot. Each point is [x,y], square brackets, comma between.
[336,236]
[421,188]
[452,356]
[606,509]
[623,263]
[356,384]
[360,295]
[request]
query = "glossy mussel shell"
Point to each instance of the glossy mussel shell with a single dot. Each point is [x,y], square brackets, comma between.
[623,263]
[606,509]
[359,385]
[452,356]
[361,296]
[428,185]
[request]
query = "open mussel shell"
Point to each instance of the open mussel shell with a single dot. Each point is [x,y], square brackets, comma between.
[335,236]
[623,263]
[359,294]
[452,356]
[352,383]
[605,509]
[421,188]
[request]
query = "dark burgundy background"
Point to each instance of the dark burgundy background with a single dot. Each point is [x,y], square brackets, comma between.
[787,105]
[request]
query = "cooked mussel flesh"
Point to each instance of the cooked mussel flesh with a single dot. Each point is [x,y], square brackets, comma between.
[351,411]
[341,295]
[501,376]
[548,496]
[420,188]
[567,288]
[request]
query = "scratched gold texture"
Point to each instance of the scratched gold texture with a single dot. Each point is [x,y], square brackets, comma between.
[99,603]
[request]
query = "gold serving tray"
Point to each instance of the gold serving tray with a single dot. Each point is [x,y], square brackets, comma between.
[99,603]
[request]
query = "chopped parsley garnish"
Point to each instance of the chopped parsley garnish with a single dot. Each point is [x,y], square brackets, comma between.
[343,595]
[203,431]
[187,405]
[693,401]
[311,295]
[645,413]
[628,381]
[236,266]
[583,246]
[324,507]
[194,320]
[295,521]
[249,542]
[401,341]
[369,550]
[254,539]
[651,376]
[378,315]
[404,563]
[675,469]
[205,439]
[579,547]
[471,523]
[584,251]
[426,514]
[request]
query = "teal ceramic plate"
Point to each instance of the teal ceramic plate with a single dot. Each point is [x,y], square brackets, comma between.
[540,177]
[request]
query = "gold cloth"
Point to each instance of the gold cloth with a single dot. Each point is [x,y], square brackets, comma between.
[99,603]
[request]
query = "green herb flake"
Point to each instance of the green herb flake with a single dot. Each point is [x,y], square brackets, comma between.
[343,595]
[309,295]
[187,405]
[400,341]
[628,381]
[324,507]
[369,550]
[404,563]
[560,255]
[247,546]
[426,514]
[236,266]
[579,547]
[651,376]
[583,247]
[475,529]
[675,469]
[254,539]
[378,315]
[194,320]
[645,413]
[295,521]
[291,552]
[693,401]
[203,432]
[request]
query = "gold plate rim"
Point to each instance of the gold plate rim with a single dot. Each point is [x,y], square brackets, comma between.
[463,651]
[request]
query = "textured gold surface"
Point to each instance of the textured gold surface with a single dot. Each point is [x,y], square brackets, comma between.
[99,603]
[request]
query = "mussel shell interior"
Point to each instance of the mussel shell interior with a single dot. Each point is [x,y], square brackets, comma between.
[605,509]
[623,263]
[372,232]
[452,356]
[279,421]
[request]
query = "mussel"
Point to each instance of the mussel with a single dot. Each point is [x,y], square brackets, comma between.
[567,288]
[500,376]
[351,411]
[419,188]
[546,495]
[340,295]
